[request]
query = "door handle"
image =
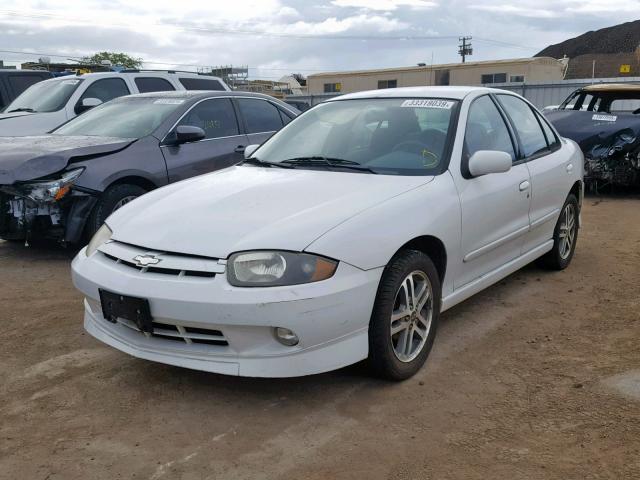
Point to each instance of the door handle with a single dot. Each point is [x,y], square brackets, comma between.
[239,149]
[570,168]
[524,185]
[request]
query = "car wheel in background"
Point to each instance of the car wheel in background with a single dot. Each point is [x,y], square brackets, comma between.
[405,316]
[111,200]
[565,237]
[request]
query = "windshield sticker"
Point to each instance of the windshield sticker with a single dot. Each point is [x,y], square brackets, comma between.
[168,101]
[70,82]
[428,103]
[604,118]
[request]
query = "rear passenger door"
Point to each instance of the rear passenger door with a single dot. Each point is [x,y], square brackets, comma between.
[548,166]
[222,146]
[261,119]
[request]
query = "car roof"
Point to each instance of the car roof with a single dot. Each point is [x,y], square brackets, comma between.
[456,93]
[197,94]
[138,73]
[612,87]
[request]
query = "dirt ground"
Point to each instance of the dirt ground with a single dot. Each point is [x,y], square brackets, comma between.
[537,377]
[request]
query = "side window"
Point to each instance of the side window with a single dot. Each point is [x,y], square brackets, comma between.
[260,115]
[286,118]
[153,84]
[216,117]
[552,139]
[19,83]
[106,89]
[525,123]
[486,129]
[201,84]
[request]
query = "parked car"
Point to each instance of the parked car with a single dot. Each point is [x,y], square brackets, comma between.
[604,119]
[14,82]
[66,183]
[47,105]
[341,238]
[300,105]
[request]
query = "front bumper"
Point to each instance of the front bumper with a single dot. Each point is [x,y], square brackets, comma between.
[331,319]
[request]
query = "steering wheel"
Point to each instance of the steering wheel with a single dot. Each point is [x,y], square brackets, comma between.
[429,159]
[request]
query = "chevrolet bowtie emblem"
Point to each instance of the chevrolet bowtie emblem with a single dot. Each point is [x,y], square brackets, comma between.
[146,260]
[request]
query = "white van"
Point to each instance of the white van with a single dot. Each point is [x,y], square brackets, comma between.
[48,104]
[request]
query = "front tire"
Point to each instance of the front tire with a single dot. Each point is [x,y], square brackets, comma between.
[111,200]
[405,316]
[565,237]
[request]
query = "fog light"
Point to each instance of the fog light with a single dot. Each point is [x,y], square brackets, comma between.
[286,336]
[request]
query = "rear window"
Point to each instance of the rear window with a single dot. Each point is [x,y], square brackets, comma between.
[19,83]
[201,84]
[153,84]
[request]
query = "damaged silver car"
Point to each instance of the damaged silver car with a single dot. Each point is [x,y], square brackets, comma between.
[604,119]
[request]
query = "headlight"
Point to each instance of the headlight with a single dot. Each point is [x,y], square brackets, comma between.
[273,268]
[102,236]
[49,190]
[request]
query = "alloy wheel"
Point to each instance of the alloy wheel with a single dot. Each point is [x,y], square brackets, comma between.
[567,231]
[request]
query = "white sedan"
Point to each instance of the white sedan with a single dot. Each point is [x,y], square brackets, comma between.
[340,239]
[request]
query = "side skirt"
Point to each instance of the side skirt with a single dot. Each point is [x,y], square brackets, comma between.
[496,275]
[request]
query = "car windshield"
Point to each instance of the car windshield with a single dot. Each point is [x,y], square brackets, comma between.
[124,117]
[393,136]
[47,96]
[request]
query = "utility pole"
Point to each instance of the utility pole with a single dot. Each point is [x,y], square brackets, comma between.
[465,47]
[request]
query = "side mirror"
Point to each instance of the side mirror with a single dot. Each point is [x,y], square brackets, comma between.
[188,133]
[484,162]
[249,149]
[87,104]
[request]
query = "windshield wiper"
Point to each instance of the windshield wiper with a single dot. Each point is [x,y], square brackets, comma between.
[319,161]
[264,163]
[22,110]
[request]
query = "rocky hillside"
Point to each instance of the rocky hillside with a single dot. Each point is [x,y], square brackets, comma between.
[621,38]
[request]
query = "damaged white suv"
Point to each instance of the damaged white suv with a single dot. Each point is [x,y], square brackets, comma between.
[342,238]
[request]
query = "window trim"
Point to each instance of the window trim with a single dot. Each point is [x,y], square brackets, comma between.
[165,143]
[522,157]
[464,162]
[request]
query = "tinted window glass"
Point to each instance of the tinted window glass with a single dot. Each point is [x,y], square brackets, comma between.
[151,84]
[486,129]
[216,117]
[525,123]
[106,89]
[552,140]
[19,83]
[394,136]
[201,84]
[47,96]
[286,117]
[260,115]
[125,118]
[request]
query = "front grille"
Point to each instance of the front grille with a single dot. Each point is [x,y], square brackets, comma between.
[182,334]
[165,271]
[166,263]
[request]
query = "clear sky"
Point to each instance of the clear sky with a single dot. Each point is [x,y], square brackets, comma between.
[276,37]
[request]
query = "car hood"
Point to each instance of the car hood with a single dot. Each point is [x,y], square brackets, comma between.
[246,207]
[29,158]
[591,128]
[6,116]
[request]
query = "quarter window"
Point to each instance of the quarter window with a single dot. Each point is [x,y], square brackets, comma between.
[525,123]
[153,84]
[216,117]
[486,129]
[552,139]
[259,115]
[106,89]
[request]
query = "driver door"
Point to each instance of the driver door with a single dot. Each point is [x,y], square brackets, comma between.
[495,207]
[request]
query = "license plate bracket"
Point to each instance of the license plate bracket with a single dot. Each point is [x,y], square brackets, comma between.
[134,309]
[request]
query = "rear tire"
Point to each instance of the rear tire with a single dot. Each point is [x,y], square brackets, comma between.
[111,200]
[565,237]
[403,325]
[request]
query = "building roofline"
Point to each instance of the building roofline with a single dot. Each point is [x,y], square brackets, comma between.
[414,68]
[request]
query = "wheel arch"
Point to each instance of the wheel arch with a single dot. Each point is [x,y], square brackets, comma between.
[431,246]
[139,181]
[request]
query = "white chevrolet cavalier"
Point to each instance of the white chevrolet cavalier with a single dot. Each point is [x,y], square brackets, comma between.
[342,238]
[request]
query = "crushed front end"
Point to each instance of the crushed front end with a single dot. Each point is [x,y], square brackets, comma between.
[49,208]
[616,160]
